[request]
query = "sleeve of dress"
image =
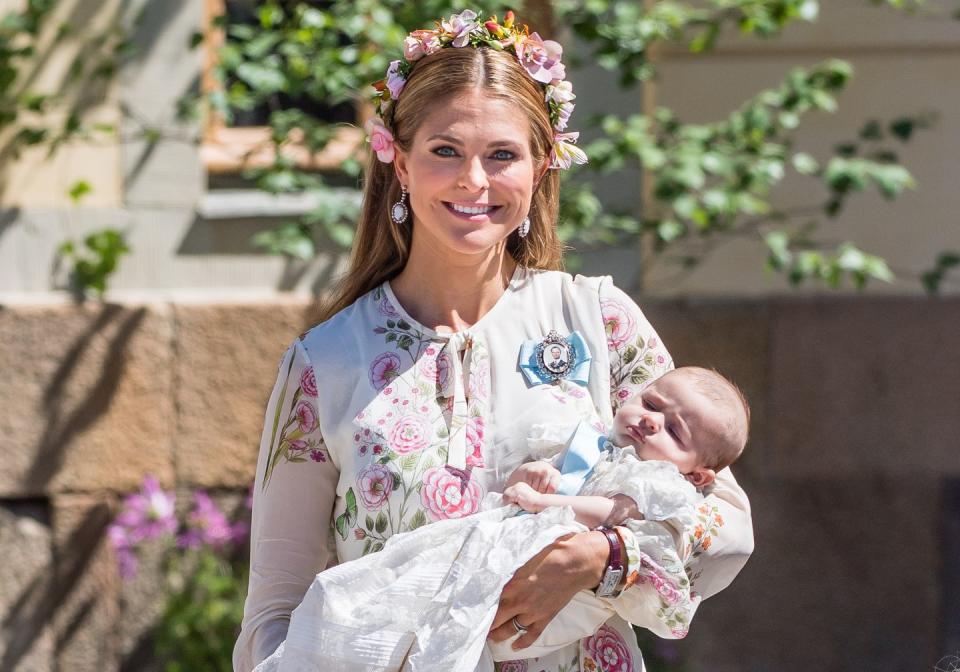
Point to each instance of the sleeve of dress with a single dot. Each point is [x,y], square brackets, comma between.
[717,547]
[293,498]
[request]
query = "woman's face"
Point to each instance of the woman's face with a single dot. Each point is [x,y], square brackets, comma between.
[470,174]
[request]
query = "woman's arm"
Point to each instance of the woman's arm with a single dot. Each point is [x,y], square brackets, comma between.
[293,497]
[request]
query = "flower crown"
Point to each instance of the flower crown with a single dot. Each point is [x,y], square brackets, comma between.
[540,58]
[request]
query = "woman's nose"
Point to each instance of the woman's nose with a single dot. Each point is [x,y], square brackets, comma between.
[474,176]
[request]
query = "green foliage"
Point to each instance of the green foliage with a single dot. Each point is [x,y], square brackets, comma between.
[201,620]
[92,264]
[933,278]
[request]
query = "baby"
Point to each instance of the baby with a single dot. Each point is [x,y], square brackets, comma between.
[693,418]
[443,581]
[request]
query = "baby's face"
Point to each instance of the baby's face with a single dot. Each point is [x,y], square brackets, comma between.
[669,420]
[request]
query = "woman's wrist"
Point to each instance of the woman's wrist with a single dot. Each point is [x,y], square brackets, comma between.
[590,552]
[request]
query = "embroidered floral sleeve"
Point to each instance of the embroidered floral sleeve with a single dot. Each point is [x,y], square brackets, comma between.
[636,354]
[295,475]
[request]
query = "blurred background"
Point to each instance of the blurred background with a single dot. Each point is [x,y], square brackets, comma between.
[774,181]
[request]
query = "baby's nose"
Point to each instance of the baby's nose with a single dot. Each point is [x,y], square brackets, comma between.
[650,423]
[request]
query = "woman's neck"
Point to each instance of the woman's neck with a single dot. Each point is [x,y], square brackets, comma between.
[452,294]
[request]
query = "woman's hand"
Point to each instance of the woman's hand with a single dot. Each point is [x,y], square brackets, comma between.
[542,587]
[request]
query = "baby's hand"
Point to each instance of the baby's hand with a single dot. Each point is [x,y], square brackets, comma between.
[523,496]
[541,476]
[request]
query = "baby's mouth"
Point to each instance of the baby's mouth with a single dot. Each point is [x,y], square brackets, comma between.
[636,434]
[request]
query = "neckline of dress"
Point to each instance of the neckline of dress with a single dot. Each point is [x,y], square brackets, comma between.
[515,281]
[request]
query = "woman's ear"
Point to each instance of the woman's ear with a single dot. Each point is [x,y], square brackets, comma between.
[400,166]
[542,172]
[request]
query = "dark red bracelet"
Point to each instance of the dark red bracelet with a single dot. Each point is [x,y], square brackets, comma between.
[613,573]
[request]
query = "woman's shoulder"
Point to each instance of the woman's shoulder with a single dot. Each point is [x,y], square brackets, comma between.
[344,332]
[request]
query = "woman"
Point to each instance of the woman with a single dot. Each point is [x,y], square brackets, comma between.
[406,404]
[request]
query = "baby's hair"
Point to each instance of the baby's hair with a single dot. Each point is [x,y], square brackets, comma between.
[736,414]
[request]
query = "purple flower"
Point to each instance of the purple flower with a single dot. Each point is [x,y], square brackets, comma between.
[148,514]
[387,309]
[384,369]
[308,382]
[126,558]
[541,58]
[459,26]
[395,80]
[318,456]
[375,484]
[206,525]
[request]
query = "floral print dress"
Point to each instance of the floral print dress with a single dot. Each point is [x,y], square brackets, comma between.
[378,425]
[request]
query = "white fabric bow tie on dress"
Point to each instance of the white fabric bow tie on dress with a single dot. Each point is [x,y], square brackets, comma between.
[463,379]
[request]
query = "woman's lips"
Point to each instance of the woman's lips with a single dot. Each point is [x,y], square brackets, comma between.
[468,217]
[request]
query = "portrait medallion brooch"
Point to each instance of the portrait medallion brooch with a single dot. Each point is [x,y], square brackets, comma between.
[555,357]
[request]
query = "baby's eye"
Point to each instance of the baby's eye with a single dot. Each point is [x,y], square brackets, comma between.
[503,155]
[673,432]
[649,405]
[445,151]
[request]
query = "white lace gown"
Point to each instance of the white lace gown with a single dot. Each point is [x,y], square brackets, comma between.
[378,425]
[443,581]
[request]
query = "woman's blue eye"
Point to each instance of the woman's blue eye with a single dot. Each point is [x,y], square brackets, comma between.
[503,155]
[444,151]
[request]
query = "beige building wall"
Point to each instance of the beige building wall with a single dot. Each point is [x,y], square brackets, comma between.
[903,65]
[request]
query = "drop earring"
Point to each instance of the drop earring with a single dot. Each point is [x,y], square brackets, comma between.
[524,227]
[399,212]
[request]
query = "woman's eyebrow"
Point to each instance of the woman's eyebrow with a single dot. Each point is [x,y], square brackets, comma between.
[443,136]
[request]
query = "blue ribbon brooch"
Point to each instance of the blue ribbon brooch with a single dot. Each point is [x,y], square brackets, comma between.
[556,357]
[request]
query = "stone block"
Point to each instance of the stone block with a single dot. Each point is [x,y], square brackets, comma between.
[26,637]
[845,576]
[85,398]
[85,585]
[865,387]
[226,366]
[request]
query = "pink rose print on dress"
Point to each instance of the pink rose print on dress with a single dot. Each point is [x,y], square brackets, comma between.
[384,369]
[444,367]
[375,483]
[609,650]
[513,666]
[308,382]
[446,494]
[618,323]
[409,433]
[474,442]
[306,417]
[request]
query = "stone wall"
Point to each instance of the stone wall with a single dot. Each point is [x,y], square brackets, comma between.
[851,466]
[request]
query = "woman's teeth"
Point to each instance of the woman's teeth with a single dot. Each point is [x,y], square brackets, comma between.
[481,210]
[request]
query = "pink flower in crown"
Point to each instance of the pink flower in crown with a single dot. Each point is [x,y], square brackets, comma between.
[513,666]
[395,80]
[375,484]
[420,43]
[409,433]
[459,26]
[308,382]
[618,322]
[561,92]
[565,153]
[449,494]
[541,58]
[381,139]
[474,432]
[306,417]
[384,369]
[609,650]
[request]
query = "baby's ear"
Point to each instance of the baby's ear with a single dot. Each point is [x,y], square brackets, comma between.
[701,477]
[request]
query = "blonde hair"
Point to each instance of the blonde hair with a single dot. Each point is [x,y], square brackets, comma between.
[381,247]
[732,403]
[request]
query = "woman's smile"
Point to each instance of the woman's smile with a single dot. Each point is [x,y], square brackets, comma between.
[474,213]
